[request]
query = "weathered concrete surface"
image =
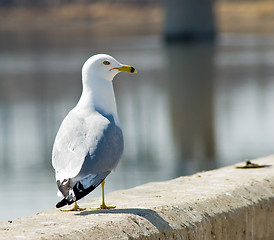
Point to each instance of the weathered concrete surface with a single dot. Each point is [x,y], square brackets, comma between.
[227,203]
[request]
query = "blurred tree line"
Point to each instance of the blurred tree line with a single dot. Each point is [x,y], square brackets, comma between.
[53,3]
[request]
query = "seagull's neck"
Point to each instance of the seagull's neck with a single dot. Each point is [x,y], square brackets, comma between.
[98,95]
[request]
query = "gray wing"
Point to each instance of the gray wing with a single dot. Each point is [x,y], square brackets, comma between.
[88,145]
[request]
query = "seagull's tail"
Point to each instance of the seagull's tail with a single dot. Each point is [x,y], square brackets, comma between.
[67,191]
[80,189]
[78,192]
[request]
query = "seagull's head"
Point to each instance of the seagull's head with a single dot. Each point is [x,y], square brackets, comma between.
[104,66]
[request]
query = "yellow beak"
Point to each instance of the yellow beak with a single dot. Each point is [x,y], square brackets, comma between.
[126,68]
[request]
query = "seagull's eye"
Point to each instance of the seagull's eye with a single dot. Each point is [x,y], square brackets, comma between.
[106,62]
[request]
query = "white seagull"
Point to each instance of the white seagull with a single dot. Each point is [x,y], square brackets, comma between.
[89,143]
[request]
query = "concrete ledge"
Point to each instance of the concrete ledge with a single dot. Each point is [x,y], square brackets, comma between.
[227,203]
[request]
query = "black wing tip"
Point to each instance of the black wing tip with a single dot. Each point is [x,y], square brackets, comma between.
[79,192]
[63,203]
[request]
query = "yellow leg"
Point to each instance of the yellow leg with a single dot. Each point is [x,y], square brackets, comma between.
[104,206]
[75,208]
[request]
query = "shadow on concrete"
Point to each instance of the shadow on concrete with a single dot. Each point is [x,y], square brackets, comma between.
[150,215]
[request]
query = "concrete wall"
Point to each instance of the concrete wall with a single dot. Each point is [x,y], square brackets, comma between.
[227,203]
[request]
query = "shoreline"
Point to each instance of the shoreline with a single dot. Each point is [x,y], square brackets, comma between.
[104,20]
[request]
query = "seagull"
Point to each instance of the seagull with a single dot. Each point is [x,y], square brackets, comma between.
[89,142]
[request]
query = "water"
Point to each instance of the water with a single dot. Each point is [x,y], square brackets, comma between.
[191,107]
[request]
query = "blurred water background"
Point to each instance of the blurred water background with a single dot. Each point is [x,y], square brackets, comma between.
[191,107]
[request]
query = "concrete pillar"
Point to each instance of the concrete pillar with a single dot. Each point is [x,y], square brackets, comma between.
[190,74]
[189,20]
